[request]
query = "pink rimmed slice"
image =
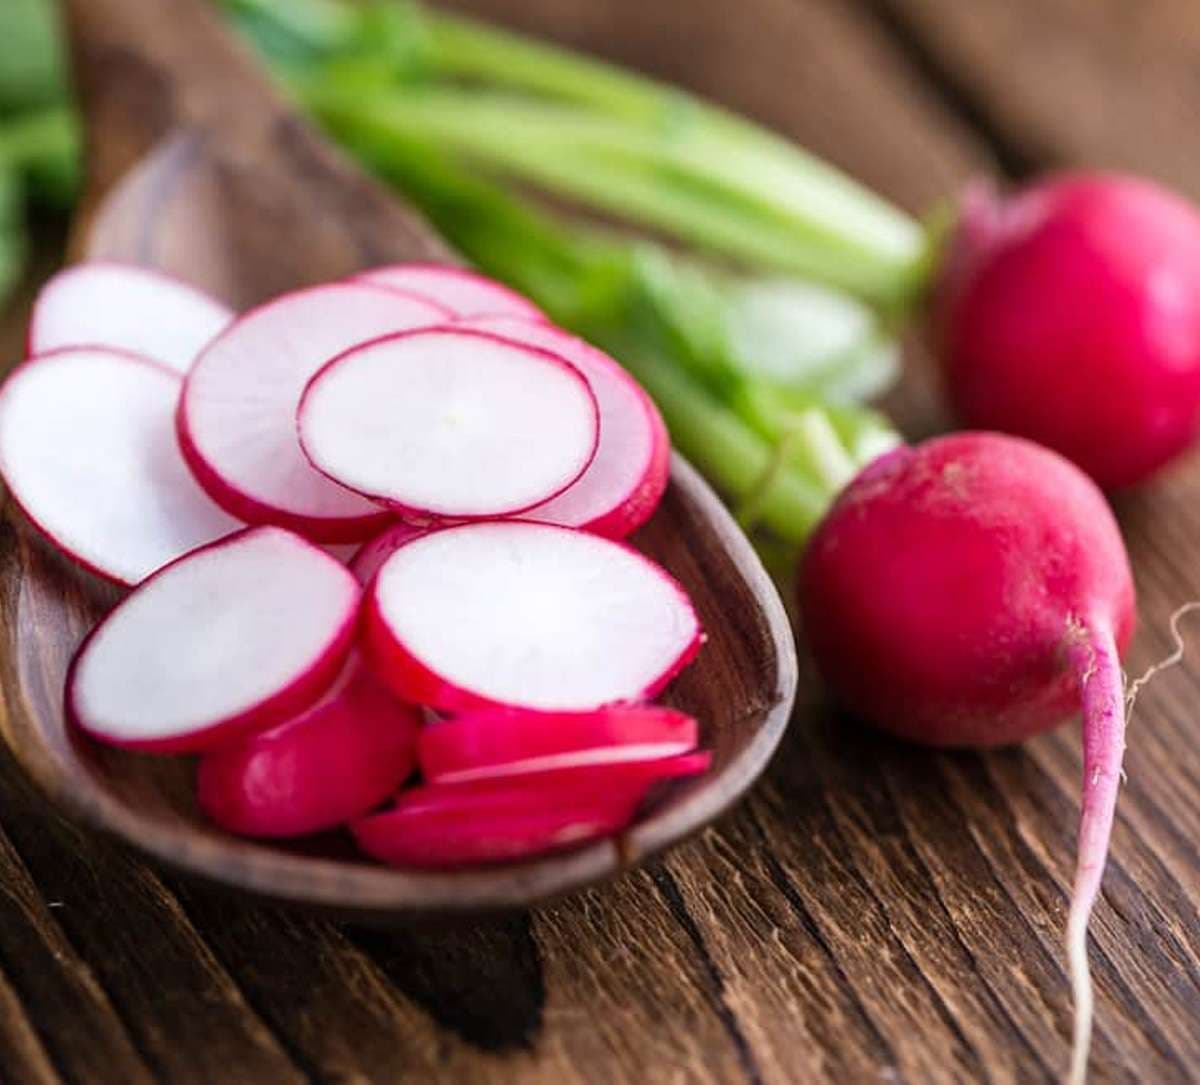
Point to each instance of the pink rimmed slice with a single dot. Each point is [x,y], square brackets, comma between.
[489,821]
[371,555]
[625,481]
[237,416]
[513,614]
[127,308]
[232,638]
[88,450]
[449,422]
[465,293]
[491,745]
[331,764]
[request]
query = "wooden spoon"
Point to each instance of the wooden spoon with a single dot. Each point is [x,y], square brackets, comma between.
[197,167]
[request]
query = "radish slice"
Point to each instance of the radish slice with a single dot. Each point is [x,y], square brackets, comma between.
[488,745]
[231,638]
[87,447]
[488,821]
[237,417]
[371,555]
[625,482]
[522,615]
[126,308]
[330,764]
[448,422]
[464,293]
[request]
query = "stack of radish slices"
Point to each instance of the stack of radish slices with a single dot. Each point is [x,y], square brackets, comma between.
[475,466]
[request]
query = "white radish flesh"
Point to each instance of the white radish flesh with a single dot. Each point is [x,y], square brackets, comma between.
[450,423]
[490,745]
[126,308]
[625,481]
[232,638]
[524,615]
[88,450]
[465,293]
[237,417]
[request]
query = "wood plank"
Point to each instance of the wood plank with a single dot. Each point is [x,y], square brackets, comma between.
[1071,81]
[23,1059]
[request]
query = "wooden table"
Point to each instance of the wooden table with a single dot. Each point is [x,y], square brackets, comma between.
[875,912]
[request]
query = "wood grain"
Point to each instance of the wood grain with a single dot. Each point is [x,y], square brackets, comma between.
[874,912]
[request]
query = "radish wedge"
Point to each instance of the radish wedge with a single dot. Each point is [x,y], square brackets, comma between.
[126,308]
[515,614]
[464,293]
[371,555]
[237,417]
[625,482]
[88,450]
[442,825]
[231,638]
[489,745]
[450,423]
[330,764]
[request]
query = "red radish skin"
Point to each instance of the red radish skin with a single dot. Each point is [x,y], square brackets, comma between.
[489,745]
[331,764]
[626,480]
[125,308]
[232,638]
[490,821]
[974,591]
[451,423]
[369,558]
[1070,314]
[464,293]
[521,615]
[88,451]
[237,416]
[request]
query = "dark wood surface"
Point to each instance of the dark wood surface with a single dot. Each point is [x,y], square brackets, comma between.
[874,912]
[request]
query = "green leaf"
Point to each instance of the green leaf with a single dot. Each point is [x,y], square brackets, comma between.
[32,71]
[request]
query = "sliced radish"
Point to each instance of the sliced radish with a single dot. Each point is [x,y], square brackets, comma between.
[126,308]
[237,417]
[488,821]
[234,637]
[625,481]
[524,615]
[465,293]
[88,450]
[449,422]
[489,745]
[332,763]
[371,555]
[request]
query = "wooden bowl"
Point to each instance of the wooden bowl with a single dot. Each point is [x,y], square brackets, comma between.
[197,168]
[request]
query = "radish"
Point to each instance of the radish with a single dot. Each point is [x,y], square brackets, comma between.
[487,821]
[237,416]
[488,745]
[369,558]
[464,293]
[127,308]
[234,637]
[974,591]
[525,615]
[332,763]
[625,482]
[1071,315]
[87,448]
[449,422]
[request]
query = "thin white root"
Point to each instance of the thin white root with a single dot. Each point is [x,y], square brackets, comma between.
[1081,994]
[1171,660]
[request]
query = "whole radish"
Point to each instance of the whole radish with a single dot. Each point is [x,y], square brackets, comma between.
[973,591]
[1069,313]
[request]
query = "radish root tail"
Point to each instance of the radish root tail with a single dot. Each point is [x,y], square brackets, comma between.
[1173,659]
[1094,659]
